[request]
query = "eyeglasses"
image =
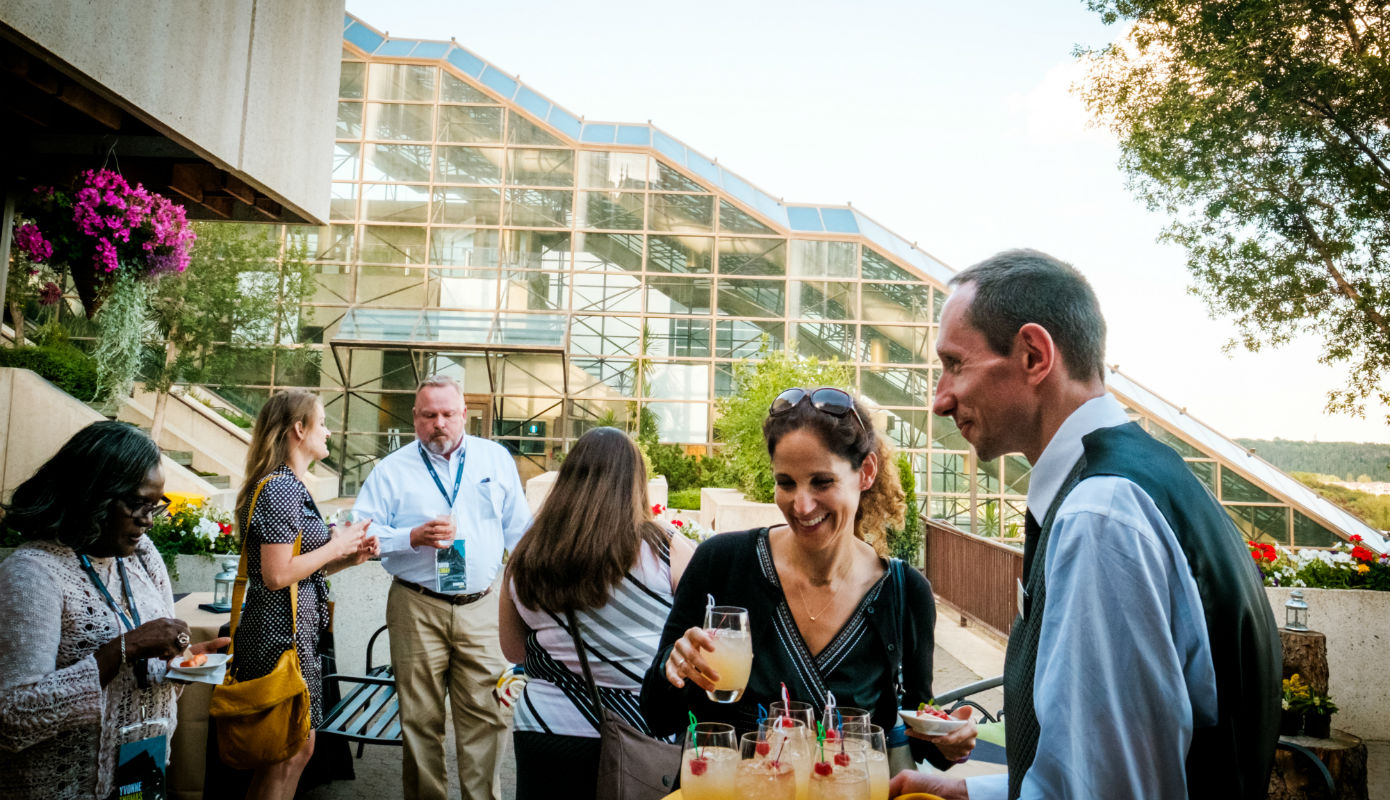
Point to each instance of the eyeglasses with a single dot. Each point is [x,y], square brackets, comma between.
[141,508]
[832,401]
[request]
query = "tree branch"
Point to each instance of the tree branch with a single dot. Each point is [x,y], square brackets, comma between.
[1348,291]
[1356,141]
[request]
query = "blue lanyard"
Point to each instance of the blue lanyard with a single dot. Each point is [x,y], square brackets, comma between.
[106,595]
[458,477]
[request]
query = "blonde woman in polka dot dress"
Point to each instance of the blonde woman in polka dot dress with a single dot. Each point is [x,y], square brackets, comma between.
[288,436]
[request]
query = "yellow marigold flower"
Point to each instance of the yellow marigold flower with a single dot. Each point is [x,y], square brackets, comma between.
[1362,568]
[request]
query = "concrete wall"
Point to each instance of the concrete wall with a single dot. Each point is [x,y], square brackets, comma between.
[249,84]
[539,487]
[36,418]
[727,510]
[1356,623]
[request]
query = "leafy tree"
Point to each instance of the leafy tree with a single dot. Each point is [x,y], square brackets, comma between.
[740,414]
[237,303]
[907,543]
[1262,128]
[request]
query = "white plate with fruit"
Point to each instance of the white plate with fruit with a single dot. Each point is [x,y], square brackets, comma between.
[930,720]
[201,664]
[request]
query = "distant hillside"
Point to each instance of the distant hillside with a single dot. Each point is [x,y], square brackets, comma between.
[1348,461]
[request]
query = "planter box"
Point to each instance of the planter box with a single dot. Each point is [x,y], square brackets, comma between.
[1358,649]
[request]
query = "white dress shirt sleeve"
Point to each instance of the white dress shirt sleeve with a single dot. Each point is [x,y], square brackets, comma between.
[516,513]
[377,501]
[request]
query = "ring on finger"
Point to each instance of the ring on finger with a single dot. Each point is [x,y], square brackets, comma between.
[183,640]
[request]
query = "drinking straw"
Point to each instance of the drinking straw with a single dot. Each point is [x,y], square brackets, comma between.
[693,738]
[762,713]
[820,738]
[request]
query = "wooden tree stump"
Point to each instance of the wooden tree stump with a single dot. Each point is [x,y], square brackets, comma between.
[1294,778]
[1305,652]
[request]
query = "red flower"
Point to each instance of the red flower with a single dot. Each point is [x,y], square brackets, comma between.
[678,523]
[225,527]
[657,508]
[1362,554]
[1356,537]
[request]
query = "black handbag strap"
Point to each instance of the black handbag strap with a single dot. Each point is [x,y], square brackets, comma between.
[584,663]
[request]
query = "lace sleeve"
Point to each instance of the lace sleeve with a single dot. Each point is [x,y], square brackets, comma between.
[39,700]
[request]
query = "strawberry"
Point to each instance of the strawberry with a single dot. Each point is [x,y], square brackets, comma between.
[823,768]
[763,748]
[699,765]
[842,759]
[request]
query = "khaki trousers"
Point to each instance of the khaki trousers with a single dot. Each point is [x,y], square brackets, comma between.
[439,648]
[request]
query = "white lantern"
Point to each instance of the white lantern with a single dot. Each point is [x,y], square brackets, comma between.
[1296,612]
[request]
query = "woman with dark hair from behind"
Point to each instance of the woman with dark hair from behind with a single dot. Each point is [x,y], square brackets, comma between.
[86,621]
[594,550]
[287,542]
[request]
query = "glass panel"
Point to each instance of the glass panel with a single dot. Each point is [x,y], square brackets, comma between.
[678,295]
[684,422]
[953,510]
[1184,449]
[463,247]
[540,167]
[948,474]
[682,213]
[824,259]
[536,250]
[824,340]
[539,208]
[1205,472]
[394,202]
[682,338]
[938,299]
[907,428]
[1307,533]
[670,180]
[1235,489]
[599,291]
[604,170]
[465,206]
[739,297]
[332,284]
[470,124]
[611,210]
[946,435]
[398,121]
[734,220]
[468,165]
[409,163]
[898,386]
[454,90]
[609,252]
[391,286]
[987,473]
[1262,523]
[877,267]
[349,121]
[1017,471]
[351,76]
[464,288]
[331,243]
[393,245]
[897,302]
[401,82]
[893,344]
[521,130]
[343,204]
[533,291]
[823,300]
[692,254]
[736,338]
[752,256]
[347,158]
[605,336]
[604,376]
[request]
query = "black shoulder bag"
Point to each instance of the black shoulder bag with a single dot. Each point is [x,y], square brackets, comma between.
[631,764]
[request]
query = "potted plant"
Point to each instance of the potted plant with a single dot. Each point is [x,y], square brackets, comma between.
[1317,716]
[1293,705]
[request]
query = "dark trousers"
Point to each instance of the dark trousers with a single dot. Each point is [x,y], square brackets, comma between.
[549,765]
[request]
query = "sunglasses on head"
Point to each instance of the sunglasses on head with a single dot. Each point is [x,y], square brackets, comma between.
[828,399]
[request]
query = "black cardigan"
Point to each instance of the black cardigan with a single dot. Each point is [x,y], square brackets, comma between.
[862,658]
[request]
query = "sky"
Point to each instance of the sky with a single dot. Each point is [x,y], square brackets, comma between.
[953,124]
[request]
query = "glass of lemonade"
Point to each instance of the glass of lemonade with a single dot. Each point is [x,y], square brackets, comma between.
[708,762]
[832,780]
[867,745]
[850,718]
[732,658]
[765,773]
[796,710]
[790,737]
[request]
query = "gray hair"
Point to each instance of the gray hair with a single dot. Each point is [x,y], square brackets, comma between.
[437,381]
[1016,287]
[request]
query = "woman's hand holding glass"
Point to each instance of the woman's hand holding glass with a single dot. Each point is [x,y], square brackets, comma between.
[959,743]
[687,661]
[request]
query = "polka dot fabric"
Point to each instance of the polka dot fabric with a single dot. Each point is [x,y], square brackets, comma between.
[283,510]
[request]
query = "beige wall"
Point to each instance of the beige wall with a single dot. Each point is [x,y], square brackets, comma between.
[249,84]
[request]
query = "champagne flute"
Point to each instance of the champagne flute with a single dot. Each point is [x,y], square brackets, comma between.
[732,658]
[709,761]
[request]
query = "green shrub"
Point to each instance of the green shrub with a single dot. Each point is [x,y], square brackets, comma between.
[63,365]
[685,499]
[907,543]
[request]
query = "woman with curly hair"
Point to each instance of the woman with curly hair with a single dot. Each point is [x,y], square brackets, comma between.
[827,612]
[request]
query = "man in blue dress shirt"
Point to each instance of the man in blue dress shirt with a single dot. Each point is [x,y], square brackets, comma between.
[444,508]
[1145,661]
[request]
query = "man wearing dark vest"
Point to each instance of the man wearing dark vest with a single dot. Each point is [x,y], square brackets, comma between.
[1145,661]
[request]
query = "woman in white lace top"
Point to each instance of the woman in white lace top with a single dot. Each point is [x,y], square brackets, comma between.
[85,607]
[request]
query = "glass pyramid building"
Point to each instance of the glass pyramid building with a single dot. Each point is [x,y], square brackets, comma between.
[480,230]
